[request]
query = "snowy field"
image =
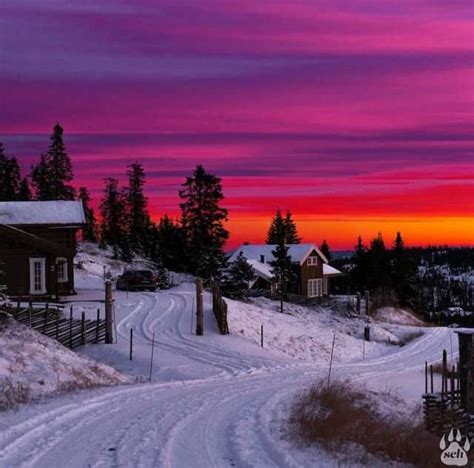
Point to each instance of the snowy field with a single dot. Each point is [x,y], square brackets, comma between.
[213,401]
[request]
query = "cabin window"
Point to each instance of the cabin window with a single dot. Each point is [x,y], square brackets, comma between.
[312,261]
[61,269]
[315,288]
[37,275]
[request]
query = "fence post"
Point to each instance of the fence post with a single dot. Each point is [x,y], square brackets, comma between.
[367,302]
[83,328]
[109,335]
[332,354]
[358,303]
[70,329]
[152,352]
[199,308]
[97,326]
[131,343]
[261,336]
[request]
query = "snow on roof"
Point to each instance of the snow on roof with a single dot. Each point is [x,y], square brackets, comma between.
[42,212]
[261,269]
[328,270]
[298,252]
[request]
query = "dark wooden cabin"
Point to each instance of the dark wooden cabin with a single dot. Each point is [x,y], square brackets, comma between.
[312,270]
[38,246]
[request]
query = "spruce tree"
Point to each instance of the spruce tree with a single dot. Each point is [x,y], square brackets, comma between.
[378,265]
[282,269]
[9,176]
[238,276]
[139,219]
[326,251]
[89,231]
[359,272]
[171,244]
[291,232]
[277,231]
[114,228]
[51,176]
[24,193]
[202,220]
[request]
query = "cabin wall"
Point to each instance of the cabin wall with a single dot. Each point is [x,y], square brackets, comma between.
[310,272]
[15,255]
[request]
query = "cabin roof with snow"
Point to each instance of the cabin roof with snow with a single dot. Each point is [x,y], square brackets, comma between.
[56,212]
[298,252]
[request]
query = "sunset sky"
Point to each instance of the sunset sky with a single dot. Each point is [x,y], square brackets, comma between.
[357,116]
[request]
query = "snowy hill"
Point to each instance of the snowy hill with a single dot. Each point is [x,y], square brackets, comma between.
[33,365]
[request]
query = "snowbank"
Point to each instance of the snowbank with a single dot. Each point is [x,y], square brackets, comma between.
[397,316]
[33,365]
[307,333]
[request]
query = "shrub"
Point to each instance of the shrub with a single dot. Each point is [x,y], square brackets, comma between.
[338,415]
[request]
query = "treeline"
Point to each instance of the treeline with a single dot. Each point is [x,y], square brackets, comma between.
[193,243]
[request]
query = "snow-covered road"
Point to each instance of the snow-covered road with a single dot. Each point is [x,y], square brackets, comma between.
[221,406]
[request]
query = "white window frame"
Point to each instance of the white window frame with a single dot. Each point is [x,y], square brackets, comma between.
[42,280]
[61,262]
[315,287]
[313,260]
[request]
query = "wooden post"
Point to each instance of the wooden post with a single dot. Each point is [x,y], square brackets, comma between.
[70,330]
[261,336]
[97,326]
[431,377]
[426,377]
[192,316]
[367,302]
[199,308]
[131,344]
[109,334]
[330,362]
[358,303]
[83,328]
[152,352]
[444,378]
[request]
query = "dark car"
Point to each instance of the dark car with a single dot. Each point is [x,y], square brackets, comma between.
[138,280]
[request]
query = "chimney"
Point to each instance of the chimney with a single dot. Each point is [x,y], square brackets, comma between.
[262,258]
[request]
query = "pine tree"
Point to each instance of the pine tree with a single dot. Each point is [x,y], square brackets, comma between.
[171,244]
[202,220]
[24,193]
[140,222]
[282,269]
[359,272]
[51,175]
[9,176]
[238,276]
[90,229]
[378,264]
[326,251]
[114,228]
[291,232]
[277,231]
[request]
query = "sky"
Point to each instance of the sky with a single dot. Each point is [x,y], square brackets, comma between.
[357,116]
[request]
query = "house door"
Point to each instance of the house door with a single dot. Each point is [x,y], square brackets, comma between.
[37,275]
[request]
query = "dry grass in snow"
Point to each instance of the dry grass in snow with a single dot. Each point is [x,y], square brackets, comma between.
[33,365]
[347,422]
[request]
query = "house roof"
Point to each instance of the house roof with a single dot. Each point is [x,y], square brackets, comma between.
[56,212]
[298,252]
[264,270]
[329,270]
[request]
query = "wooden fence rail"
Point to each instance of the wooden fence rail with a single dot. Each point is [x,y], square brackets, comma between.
[50,321]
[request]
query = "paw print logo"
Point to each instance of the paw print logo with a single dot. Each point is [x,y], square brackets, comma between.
[454,453]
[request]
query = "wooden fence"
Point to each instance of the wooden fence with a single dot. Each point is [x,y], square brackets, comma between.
[444,409]
[49,320]
[219,307]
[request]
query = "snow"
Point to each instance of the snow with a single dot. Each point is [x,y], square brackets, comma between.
[42,366]
[262,269]
[213,400]
[397,316]
[42,212]
[328,270]
[298,252]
